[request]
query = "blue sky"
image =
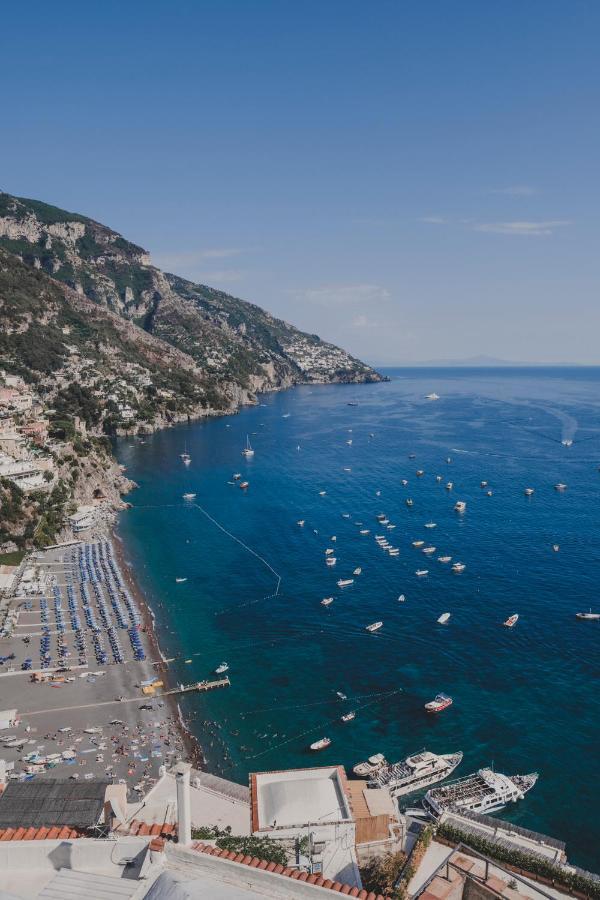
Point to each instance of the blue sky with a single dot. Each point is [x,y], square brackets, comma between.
[411,180]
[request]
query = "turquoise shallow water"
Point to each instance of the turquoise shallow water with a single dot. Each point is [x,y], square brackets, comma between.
[524,699]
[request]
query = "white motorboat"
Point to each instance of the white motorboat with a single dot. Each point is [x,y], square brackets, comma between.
[344,582]
[443,618]
[587,616]
[511,621]
[374,626]
[449,485]
[430,524]
[420,573]
[326,601]
[236,476]
[418,543]
[349,442]
[222,668]
[555,547]
[483,484]
[401,598]
[357,571]
[321,744]
[409,502]
[415,772]
[248,451]
[180,580]
[189,496]
[300,522]
[460,506]
[567,443]
[330,560]
[322,493]
[329,551]
[404,482]
[244,485]
[528,492]
[560,486]
[444,559]
[433,396]
[419,473]
[428,550]
[439,702]
[364,531]
[345,515]
[485,792]
[348,717]
[394,551]
[458,567]
[371,766]
[390,527]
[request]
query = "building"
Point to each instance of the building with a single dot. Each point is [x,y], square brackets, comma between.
[85,517]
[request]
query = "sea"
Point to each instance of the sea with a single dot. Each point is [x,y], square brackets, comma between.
[524,699]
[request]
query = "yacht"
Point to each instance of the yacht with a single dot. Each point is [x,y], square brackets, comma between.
[460,506]
[511,621]
[415,772]
[371,766]
[443,618]
[327,601]
[458,567]
[222,668]
[349,716]
[439,702]
[420,573]
[189,496]
[331,560]
[589,616]
[357,571]
[321,745]
[485,791]
[344,582]
[374,626]
[433,396]
[247,451]
[444,559]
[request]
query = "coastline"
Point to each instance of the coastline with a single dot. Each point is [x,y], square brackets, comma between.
[193,750]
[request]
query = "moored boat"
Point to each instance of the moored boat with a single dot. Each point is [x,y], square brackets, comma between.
[511,621]
[458,567]
[374,626]
[344,582]
[460,506]
[222,668]
[589,616]
[439,702]
[321,744]
[189,496]
[326,601]
[483,792]
[415,772]
[248,451]
[420,573]
[443,618]
[372,765]
[349,716]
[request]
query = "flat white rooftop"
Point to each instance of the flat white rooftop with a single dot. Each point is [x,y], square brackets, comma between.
[296,797]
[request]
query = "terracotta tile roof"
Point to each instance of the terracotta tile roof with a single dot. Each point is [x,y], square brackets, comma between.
[142,829]
[40,834]
[254,863]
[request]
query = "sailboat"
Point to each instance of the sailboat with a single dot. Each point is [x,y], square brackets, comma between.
[185,456]
[247,451]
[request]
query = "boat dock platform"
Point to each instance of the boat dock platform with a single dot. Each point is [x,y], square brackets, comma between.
[200,686]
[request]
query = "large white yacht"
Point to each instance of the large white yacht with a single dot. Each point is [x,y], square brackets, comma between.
[415,772]
[483,792]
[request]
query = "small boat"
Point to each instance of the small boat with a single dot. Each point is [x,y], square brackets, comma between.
[488,493]
[444,559]
[438,478]
[394,551]
[483,484]
[345,515]
[460,506]
[449,485]
[247,451]
[560,486]
[349,442]
[511,621]
[384,521]
[341,695]
[189,496]
[404,482]
[364,531]
[222,668]
[440,702]
[458,567]
[432,396]
[374,626]
[555,547]
[412,455]
[418,543]
[588,616]
[420,573]
[357,571]
[430,524]
[390,527]
[409,502]
[331,560]
[236,476]
[378,493]
[528,492]
[328,551]
[180,580]
[286,415]
[401,598]
[443,618]
[348,717]
[380,517]
[322,493]
[344,582]
[326,601]
[300,522]
[420,473]
[333,538]
[244,485]
[321,745]
[567,443]
[428,550]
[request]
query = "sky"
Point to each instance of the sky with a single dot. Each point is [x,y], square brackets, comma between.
[412,180]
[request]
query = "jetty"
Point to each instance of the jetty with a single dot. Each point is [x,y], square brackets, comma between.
[199,686]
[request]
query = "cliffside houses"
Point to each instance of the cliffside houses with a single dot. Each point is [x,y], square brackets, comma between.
[318,359]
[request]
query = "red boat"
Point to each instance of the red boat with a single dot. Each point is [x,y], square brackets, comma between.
[440,702]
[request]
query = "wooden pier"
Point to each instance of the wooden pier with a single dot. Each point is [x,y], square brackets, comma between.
[200,686]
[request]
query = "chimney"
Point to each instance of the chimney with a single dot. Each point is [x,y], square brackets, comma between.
[184,816]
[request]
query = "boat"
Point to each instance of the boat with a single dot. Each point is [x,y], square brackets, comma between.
[326,601]
[372,765]
[439,702]
[401,598]
[300,522]
[555,547]
[321,744]
[236,476]
[345,515]
[567,443]
[511,621]
[430,524]
[433,396]
[286,415]
[341,695]
[458,567]
[180,580]
[333,537]
[444,559]
[443,618]
[420,473]
[328,551]
[380,517]
[344,582]
[483,484]
[449,485]
[560,486]
[244,485]
[394,551]
[485,791]
[189,496]
[420,573]
[331,560]
[222,668]
[322,493]
[528,492]
[438,478]
[352,403]
[409,502]
[588,616]
[247,451]
[404,482]
[488,493]
[348,717]
[390,527]
[374,626]
[415,772]
[384,521]
[186,458]
[349,442]
[460,506]
[357,571]
[418,543]
[364,531]
[428,550]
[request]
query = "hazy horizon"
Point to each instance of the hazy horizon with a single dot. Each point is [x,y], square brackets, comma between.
[412,182]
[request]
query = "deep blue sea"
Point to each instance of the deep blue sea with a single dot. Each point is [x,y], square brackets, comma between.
[525,698]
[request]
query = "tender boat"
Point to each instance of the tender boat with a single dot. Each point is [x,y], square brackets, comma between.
[418,543]
[344,582]
[409,502]
[330,560]
[443,618]
[357,571]
[222,668]
[348,717]
[180,580]
[364,531]
[372,765]
[420,573]
[430,524]
[560,486]
[247,451]
[511,621]
[460,506]
[449,485]
[189,496]
[236,476]
[485,791]
[589,616]
[439,702]
[458,567]
[555,547]
[444,559]
[415,772]
[528,492]
[428,550]
[432,396]
[300,522]
[327,601]
[374,626]
[401,598]
[244,485]
[321,745]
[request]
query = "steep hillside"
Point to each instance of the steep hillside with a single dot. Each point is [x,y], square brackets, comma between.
[236,346]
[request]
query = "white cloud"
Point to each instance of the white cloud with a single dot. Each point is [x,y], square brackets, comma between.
[526,229]
[344,294]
